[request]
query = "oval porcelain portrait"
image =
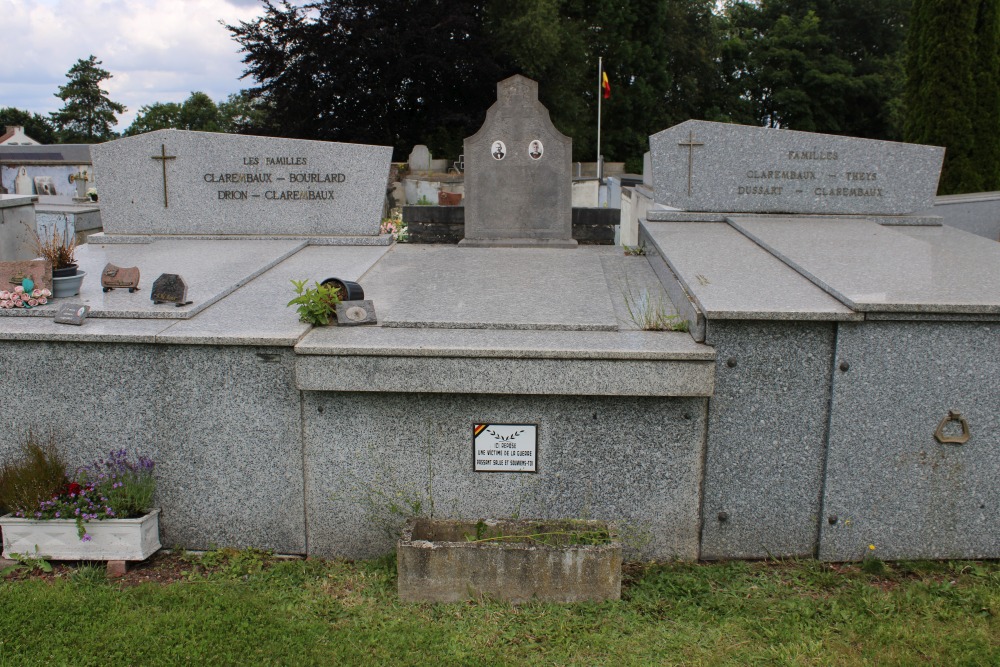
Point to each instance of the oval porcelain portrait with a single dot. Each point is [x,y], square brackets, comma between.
[535,149]
[499,150]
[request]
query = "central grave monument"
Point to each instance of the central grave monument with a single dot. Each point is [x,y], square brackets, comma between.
[518,182]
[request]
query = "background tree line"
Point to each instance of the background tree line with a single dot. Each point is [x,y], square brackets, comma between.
[402,72]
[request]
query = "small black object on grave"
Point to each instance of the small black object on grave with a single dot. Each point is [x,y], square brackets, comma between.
[346,290]
[169,288]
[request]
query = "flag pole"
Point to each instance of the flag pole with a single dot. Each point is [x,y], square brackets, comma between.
[600,90]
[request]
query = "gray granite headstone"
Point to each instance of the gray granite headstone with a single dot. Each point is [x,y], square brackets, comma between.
[704,166]
[518,179]
[420,158]
[179,182]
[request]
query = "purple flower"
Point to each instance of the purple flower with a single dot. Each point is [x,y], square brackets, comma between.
[86,537]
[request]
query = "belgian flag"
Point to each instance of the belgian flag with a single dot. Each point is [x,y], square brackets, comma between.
[605,85]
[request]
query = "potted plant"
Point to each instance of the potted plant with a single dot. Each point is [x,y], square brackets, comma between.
[316,305]
[101,512]
[66,276]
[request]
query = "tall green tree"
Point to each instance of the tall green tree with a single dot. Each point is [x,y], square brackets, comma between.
[818,65]
[242,113]
[660,57]
[155,116]
[951,89]
[986,145]
[36,126]
[237,114]
[393,72]
[87,114]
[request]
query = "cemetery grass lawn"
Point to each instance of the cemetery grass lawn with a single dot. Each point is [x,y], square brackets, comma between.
[237,607]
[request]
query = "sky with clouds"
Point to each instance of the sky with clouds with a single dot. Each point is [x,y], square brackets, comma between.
[156,50]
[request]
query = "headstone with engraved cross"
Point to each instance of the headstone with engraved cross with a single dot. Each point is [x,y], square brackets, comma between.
[720,167]
[176,183]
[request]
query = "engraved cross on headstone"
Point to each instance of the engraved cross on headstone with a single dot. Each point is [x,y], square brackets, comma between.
[163,157]
[690,143]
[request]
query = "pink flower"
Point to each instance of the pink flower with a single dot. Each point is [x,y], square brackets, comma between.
[6,304]
[18,290]
[32,302]
[4,295]
[36,293]
[46,292]
[42,300]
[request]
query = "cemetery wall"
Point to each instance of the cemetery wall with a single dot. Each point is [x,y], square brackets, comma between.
[889,482]
[446,224]
[977,213]
[222,424]
[766,438]
[791,455]
[637,460]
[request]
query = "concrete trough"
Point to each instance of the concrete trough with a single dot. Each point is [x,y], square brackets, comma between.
[516,561]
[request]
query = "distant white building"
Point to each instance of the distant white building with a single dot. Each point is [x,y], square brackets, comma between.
[14,136]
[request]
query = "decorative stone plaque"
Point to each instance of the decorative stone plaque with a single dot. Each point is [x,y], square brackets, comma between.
[720,167]
[72,313]
[505,447]
[12,274]
[352,313]
[169,288]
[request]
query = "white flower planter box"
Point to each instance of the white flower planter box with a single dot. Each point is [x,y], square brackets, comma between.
[57,539]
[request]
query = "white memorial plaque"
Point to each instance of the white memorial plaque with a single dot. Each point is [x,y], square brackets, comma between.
[505,447]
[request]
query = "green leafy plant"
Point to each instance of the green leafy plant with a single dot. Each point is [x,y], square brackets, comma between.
[32,478]
[26,562]
[424,201]
[90,574]
[316,305]
[634,250]
[872,564]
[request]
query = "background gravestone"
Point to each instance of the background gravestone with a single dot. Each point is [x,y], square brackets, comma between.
[704,166]
[188,183]
[518,179]
[420,158]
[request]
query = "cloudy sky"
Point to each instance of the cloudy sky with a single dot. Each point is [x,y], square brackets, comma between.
[156,50]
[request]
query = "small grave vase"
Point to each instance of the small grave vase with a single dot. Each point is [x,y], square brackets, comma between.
[58,539]
[65,271]
[347,290]
[67,285]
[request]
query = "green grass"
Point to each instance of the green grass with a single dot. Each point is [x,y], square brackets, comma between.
[246,608]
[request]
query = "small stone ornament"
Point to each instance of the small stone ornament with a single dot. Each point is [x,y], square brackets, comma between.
[113,277]
[72,313]
[353,313]
[170,288]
